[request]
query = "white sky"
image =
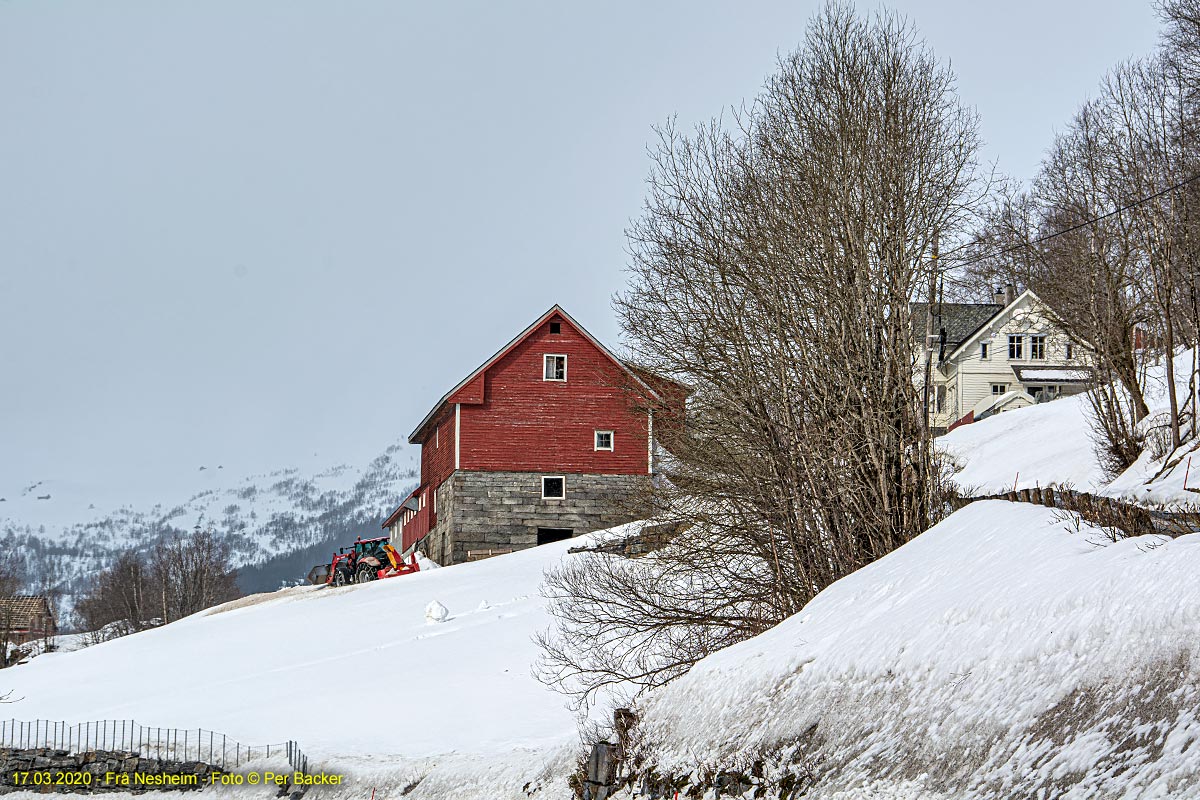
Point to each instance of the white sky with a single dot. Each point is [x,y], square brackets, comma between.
[246,232]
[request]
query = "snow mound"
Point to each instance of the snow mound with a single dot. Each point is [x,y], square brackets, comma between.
[353,674]
[1004,653]
[435,612]
[1048,444]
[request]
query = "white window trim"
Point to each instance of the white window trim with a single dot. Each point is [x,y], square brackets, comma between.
[612,441]
[563,356]
[1045,346]
[1020,337]
[985,351]
[562,478]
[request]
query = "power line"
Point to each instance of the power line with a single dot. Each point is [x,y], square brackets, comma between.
[1063,232]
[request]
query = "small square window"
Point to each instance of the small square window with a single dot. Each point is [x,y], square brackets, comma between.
[554,487]
[555,368]
[556,327]
[604,440]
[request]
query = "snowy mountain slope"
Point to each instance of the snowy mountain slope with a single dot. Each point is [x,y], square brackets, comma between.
[356,675]
[1003,653]
[264,518]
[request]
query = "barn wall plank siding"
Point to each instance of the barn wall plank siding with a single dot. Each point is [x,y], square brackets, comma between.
[488,442]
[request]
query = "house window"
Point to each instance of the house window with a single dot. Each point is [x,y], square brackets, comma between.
[555,368]
[554,487]
[983,351]
[1015,347]
[556,327]
[940,399]
[999,388]
[1070,351]
[1037,347]
[604,440]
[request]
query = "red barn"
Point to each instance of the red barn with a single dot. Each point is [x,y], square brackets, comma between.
[551,437]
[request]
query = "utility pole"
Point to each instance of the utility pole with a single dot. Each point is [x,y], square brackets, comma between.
[926,390]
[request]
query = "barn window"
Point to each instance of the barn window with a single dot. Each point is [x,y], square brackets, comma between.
[604,440]
[556,327]
[555,368]
[554,487]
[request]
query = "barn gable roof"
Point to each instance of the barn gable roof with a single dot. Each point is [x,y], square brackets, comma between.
[414,437]
[21,610]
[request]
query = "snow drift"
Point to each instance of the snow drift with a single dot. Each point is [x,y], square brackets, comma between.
[1005,653]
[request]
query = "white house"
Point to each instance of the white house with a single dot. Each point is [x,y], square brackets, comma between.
[993,357]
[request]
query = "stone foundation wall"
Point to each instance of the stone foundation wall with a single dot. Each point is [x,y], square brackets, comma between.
[47,770]
[503,510]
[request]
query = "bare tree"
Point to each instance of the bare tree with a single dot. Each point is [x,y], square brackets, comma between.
[772,272]
[181,576]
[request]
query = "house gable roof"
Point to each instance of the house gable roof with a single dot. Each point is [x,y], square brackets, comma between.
[960,320]
[478,373]
[23,609]
[1024,298]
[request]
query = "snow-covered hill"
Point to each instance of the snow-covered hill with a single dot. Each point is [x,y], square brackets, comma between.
[274,523]
[1003,653]
[1051,444]
[357,676]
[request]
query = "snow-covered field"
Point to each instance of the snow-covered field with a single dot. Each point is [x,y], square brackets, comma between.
[1004,653]
[357,676]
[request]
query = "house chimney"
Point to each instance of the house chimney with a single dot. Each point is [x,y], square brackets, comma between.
[1010,293]
[998,296]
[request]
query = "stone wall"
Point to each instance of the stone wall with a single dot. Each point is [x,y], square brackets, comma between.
[48,770]
[503,510]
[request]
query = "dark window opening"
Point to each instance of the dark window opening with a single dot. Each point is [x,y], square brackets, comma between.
[556,327]
[554,488]
[548,535]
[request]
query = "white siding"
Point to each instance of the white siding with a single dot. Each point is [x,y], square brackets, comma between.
[972,377]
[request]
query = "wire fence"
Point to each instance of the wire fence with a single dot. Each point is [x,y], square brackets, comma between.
[170,744]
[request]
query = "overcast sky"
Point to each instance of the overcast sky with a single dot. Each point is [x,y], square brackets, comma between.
[248,231]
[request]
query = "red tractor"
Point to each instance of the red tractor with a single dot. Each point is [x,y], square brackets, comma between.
[367,560]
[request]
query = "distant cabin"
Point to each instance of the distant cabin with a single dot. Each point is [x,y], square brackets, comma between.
[550,438]
[26,618]
[993,357]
